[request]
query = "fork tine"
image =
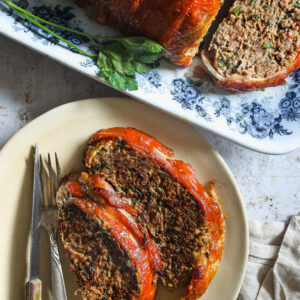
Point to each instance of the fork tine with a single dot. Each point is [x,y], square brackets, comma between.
[51,182]
[43,183]
[58,171]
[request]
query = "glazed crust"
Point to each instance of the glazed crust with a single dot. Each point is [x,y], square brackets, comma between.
[208,262]
[178,25]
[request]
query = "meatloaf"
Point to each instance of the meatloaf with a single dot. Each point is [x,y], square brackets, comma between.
[106,259]
[178,25]
[185,223]
[257,45]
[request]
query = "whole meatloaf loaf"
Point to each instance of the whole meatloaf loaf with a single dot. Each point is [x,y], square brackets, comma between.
[107,256]
[178,25]
[185,223]
[256,46]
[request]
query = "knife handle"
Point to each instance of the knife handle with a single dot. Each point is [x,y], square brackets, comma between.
[34,289]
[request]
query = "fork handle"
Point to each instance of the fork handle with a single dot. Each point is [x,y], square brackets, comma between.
[34,289]
[58,284]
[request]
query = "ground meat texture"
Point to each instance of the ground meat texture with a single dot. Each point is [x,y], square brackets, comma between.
[102,269]
[257,39]
[166,208]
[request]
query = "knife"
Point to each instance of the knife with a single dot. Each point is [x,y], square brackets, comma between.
[34,285]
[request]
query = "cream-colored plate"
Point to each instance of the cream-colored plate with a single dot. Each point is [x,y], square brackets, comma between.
[66,130]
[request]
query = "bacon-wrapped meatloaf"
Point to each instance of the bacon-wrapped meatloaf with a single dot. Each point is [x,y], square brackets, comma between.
[178,25]
[184,222]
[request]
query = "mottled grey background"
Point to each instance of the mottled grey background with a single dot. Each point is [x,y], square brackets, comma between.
[31,84]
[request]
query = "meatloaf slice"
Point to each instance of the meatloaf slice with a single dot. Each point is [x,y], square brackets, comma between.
[186,224]
[105,258]
[179,26]
[256,46]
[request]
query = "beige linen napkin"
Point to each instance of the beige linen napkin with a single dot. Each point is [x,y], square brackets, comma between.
[273,271]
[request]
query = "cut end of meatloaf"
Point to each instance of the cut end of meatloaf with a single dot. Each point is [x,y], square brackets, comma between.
[257,45]
[164,206]
[101,267]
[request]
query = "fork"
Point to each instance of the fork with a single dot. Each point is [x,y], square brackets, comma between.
[50,180]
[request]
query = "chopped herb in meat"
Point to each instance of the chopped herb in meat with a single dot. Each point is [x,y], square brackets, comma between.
[236,10]
[267,45]
[137,191]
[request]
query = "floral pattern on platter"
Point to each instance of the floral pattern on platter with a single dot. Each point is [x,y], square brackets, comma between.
[251,117]
[188,94]
[259,117]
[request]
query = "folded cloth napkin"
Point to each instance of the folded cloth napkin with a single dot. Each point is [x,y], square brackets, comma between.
[273,271]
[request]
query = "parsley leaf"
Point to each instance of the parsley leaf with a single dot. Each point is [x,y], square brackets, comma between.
[118,61]
[267,45]
[236,10]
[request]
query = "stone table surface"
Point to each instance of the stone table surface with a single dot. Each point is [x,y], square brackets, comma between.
[31,84]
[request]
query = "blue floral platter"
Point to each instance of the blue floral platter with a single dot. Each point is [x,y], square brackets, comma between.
[266,121]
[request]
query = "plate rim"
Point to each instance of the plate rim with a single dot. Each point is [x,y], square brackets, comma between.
[216,153]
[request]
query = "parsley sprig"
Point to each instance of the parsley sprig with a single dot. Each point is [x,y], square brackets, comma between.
[118,61]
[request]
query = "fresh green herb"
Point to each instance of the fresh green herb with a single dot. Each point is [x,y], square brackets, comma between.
[118,61]
[252,2]
[103,231]
[160,203]
[297,5]
[298,18]
[277,18]
[137,191]
[122,143]
[266,5]
[104,164]
[271,25]
[257,16]
[88,257]
[236,10]
[267,45]
[224,62]
[287,15]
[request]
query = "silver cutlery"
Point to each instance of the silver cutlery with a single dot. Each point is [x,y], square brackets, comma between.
[34,285]
[50,180]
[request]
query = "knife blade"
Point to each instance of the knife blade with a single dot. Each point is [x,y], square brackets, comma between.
[34,286]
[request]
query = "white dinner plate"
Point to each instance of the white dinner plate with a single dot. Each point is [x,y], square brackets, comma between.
[66,130]
[266,121]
